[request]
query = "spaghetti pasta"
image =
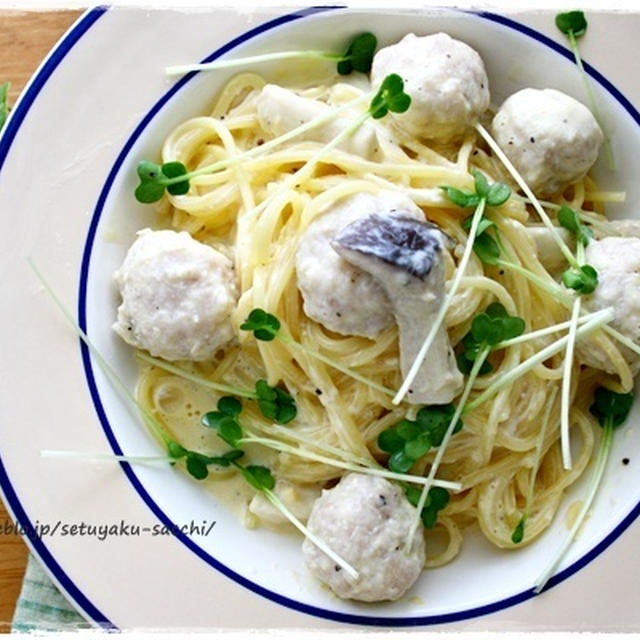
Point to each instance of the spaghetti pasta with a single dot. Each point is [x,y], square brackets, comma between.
[493,456]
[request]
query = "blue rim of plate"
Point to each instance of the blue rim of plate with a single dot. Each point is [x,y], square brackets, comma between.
[11,498]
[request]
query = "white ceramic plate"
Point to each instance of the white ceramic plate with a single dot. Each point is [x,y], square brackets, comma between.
[67,174]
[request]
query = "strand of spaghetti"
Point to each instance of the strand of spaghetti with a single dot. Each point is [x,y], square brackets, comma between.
[285,137]
[435,465]
[597,321]
[327,448]
[335,365]
[417,363]
[369,470]
[192,377]
[539,444]
[104,365]
[525,187]
[552,289]
[600,466]
[627,342]
[307,169]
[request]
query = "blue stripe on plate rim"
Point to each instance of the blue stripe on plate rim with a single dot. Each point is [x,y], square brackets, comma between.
[10,496]
[17,116]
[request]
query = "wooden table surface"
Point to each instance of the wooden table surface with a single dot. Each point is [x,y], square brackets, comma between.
[25,39]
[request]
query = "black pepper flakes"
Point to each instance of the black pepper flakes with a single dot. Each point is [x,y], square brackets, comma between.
[625,461]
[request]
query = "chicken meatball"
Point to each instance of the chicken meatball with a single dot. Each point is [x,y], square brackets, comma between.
[177,296]
[337,294]
[446,80]
[365,520]
[551,139]
[617,261]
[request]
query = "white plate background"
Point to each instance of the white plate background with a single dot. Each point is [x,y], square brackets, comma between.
[49,186]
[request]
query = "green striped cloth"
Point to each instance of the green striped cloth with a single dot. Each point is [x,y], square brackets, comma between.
[41,607]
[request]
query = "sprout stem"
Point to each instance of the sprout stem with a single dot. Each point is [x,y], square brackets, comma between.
[477,365]
[597,320]
[321,544]
[336,365]
[103,457]
[180,69]
[591,98]
[475,222]
[369,470]
[104,365]
[307,168]
[192,377]
[271,144]
[551,289]
[565,404]
[525,187]
[601,463]
[540,333]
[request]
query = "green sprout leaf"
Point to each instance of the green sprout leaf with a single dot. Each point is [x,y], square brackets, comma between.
[494,195]
[275,403]
[584,280]
[390,97]
[359,55]
[196,467]
[419,446]
[498,194]
[487,249]
[176,450]
[437,499]
[480,183]
[488,329]
[400,462]
[461,198]
[435,420]
[409,440]
[408,429]
[265,326]
[258,477]
[175,170]
[151,188]
[496,325]
[485,246]
[572,22]
[465,364]
[518,533]
[570,220]
[4,102]
[228,429]
[611,408]
[391,441]
[197,463]
[229,406]
[155,179]
[232,455]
